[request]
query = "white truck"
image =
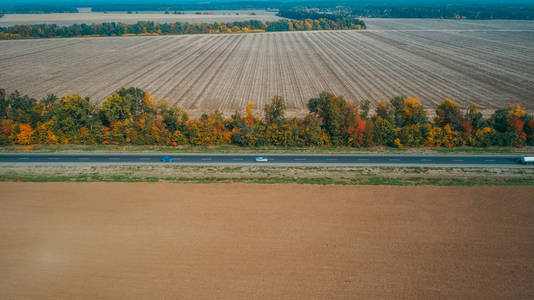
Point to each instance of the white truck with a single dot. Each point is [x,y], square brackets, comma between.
[527,160]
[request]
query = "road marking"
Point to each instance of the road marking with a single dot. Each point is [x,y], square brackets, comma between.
[426,160]
[457,160]
[363,159]
[53,158]
[206,159]
[145,158]
[394,159]
[490,160]
[299,159]
[331,159]
[237,159]
[84,158]
[24,158]
[114,158]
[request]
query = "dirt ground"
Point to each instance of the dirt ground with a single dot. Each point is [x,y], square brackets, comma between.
[239,241]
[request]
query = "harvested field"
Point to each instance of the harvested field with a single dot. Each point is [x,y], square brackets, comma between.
[489,63]
[96,17]
[112,240]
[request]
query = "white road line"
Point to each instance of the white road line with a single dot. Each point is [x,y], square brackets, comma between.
[53,158]
[363,159]
[299,159]
[24,158]
[394,159]
[206,159]
[426,160]
[331,159]
[490,160]
[237,159]
[83,158]
[114,158]
[145,158]
[457,160]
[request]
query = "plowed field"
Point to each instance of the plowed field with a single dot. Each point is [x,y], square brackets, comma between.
[490,63]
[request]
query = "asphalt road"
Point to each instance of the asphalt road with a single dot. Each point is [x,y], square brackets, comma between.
[274,159]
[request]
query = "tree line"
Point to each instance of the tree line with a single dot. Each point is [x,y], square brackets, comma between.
[513,11]
[343,22]
[152,28]
[132,116]
[517,10]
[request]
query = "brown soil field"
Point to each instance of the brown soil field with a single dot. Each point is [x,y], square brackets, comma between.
[489,63]
[153,241]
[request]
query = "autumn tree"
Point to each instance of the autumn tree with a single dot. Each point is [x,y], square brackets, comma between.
[174,118]
[137,100]
[117,108]
[250,118]
[414,112]
[70,114]
[24,135]
[474,117]
[384,110]
[44,133]
[529,130]
[311,132]
[448,113]
[275,111]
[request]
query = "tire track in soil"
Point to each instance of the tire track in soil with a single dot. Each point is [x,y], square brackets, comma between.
[195,61]
[323,58]
[200,95]
[496,81]
[220,44]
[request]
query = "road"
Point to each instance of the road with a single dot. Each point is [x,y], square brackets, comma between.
[273,159]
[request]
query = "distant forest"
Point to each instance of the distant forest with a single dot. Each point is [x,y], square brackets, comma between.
[132,116]
[519,10]
[473,12]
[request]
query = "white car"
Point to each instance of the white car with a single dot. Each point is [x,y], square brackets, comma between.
[261,159]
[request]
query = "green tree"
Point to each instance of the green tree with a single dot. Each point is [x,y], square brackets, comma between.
[398,104]
[311,132]
[275,111]
[365,106]
[448,113]
[332,112]
[475,117]
[4,104]
[384,134]
[414,113]
[72,113]
[117,108]
[21,108]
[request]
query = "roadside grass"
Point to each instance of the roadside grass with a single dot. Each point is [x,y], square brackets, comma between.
[266,149]
[271,175]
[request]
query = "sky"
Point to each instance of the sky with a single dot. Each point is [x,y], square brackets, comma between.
[89,2]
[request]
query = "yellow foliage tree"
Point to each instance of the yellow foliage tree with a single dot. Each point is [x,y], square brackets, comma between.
[250,114]
[516,110]
[24,137]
